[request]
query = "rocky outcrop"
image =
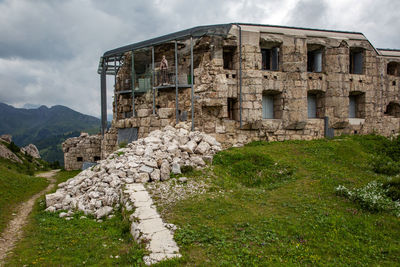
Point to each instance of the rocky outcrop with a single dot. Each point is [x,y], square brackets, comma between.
[8,154]
[6,138]
[31,150]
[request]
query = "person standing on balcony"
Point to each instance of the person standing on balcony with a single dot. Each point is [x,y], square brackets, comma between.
[164,68]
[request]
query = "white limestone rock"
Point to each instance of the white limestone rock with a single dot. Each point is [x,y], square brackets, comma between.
[104,211]
[176,168]
[202,148]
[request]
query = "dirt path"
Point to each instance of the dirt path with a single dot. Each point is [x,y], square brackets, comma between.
[13,232]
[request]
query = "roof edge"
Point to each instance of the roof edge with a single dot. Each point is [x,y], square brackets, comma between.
[296,28]
[195,31]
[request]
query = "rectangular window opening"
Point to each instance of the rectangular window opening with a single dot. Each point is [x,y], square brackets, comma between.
[232,108]
[314,61]
[357,105]
[228,57]
[315,104]
[79,159]
[272,106]
[356,61]
[270,58]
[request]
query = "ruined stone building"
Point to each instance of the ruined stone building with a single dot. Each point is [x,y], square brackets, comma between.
[78,150]
[244,82]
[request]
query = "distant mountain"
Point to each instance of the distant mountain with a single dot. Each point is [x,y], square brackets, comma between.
[45,127]
[30,106]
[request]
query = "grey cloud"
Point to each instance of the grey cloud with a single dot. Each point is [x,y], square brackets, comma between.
[49,50]
[308,13]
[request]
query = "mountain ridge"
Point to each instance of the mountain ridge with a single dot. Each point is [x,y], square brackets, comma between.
[45,127]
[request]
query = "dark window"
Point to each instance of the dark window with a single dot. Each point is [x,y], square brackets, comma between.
[393,68]
[270,58]
[79,159]
[232,108]
[314,61]
[96,158]
[356,61]
[393,109]
[228,55]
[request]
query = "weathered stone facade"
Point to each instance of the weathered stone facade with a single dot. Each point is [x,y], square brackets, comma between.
[353,84]
[78,150]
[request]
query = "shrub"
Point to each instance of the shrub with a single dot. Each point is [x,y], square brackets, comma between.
[371,197]
[385,165]
[13,147]
[393,188]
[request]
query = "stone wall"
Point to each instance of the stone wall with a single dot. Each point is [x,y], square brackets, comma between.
[216,89]
[81,149]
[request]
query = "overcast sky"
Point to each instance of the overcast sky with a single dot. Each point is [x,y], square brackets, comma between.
[49,50]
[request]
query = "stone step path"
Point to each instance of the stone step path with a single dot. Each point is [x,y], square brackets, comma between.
[147,225]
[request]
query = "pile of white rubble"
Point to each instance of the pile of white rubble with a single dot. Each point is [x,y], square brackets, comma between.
[99,190]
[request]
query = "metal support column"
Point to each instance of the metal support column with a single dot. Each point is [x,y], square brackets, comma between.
[133,83]
[240,75]
[115,88]
[103,86]
[191,79]
[153,80]
[176,82]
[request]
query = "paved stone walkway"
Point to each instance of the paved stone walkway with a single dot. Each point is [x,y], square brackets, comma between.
[147,225]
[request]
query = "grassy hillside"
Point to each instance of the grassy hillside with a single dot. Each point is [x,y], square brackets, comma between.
[16,185]
[53,241]
[266,204]
[45,127]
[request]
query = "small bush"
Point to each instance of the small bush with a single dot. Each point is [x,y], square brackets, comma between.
[187,169]
[372,197]
[385,165]
[13,147]
[393,188]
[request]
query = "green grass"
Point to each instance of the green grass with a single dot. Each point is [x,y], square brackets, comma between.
[15,187]
[268,204]
[53,241]
[285,211]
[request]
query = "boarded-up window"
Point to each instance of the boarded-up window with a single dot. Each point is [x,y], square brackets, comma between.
[357,105]
[312,105]
[268,106]
[315,104]
[352,106]
[270,58]
[314,61]
[356,60]
[272,105]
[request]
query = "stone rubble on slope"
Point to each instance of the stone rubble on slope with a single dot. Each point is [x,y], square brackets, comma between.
[147,159]
[118,179]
